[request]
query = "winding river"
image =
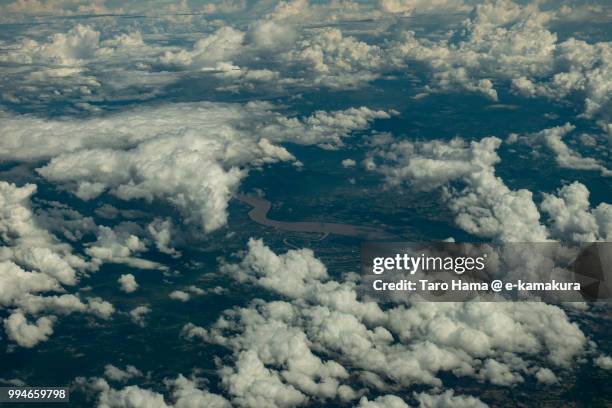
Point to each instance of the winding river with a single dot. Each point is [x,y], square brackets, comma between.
[259,214]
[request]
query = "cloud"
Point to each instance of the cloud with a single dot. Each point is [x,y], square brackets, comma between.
[332,59]
[409,7]
[255,386]
[580,70]
[499,373]
[28,334]
[447,399]
[64,305]
[179,295]
[83,64]
[185,295]
[161,230]
[572,218]
[565,156]
[503,42]
[118,245]
[101,308]
[186,393]
[19,9]
[116,374]
[17,282]
[546,376]
[208,52]
[483,204]
[128,283]
[79,44]
[386,401]
[604,362]
[139,313]
[28,244]
[131,396]
[346,163]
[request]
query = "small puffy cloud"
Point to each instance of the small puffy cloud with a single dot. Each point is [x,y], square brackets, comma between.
[546,376]
[573,219]
[116,374]
[346,163]
[187,394]
[264,267]
[499,373]
[127,283]
[386,401]
[131,396]
[272,34]
[186,294]
[161,230]
[179,295]
[448,399]
[139,313]
[100,307]
[28,334]
[604,362]
[118,245]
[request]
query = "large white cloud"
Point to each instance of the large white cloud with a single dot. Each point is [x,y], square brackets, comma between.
[163,152]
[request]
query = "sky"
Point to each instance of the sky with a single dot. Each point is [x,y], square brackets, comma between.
[128,128]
